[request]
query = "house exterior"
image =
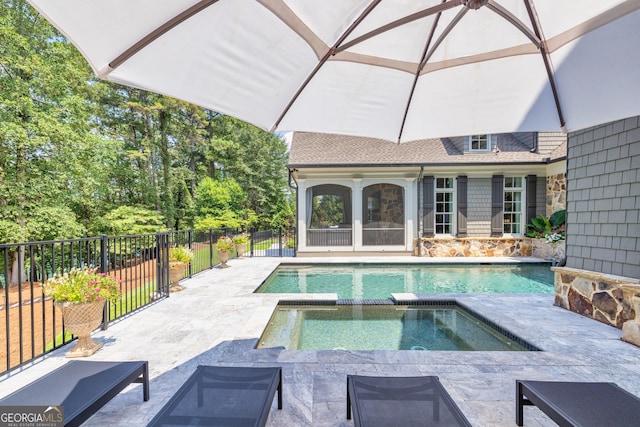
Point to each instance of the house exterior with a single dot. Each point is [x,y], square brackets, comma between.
[601,278]
[459,196]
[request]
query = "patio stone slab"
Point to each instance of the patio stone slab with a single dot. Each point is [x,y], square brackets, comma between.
[217,320]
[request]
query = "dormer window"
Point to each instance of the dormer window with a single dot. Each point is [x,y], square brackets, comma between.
[479,143]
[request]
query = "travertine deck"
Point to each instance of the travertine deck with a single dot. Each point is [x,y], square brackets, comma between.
[217,320]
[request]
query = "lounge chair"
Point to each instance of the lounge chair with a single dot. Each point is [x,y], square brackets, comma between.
[579,403]
[81,387]
[401,401]
[219,395]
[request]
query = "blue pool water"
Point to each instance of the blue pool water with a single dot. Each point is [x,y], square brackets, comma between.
[380,281]
[371,327]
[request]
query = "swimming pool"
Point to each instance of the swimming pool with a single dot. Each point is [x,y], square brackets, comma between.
[371,281]
[441,326]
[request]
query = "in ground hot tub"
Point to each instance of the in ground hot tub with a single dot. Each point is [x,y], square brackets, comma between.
[441,326]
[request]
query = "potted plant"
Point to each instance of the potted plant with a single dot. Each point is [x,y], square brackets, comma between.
[240,241]
[547,235]
[81,295]
[224,245]
[179,259]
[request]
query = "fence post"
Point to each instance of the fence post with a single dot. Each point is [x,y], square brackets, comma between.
[160,252]
[190,236]
[280,241]
[210,248]
[251,241]
[104,244]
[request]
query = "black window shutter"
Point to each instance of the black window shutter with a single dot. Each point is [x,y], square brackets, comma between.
[462,206]
[497,196]
[531,197]
[427,207]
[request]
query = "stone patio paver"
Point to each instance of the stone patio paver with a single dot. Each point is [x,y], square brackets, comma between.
[218,319]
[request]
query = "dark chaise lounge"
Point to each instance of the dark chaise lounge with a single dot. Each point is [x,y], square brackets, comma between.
[222,395]
[81,387]
[579,403]
[401,401]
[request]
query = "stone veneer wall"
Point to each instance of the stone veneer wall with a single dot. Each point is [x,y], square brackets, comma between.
[556,195]
[472,247]
[603,297]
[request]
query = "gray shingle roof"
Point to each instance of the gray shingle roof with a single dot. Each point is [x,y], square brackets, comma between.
[316,149]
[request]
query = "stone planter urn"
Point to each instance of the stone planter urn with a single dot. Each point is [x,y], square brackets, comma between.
[81,319]
[176,273]
[241,249]
[223,256]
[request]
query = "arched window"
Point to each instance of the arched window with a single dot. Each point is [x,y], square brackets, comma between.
[329,215]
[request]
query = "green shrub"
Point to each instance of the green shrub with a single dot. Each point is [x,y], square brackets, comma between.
[552,229]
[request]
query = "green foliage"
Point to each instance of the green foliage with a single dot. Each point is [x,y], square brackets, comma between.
[553,229]
[241,239]
[54,223]
[130,220]
[538,227]
[180,254]
[227,219]
[219,204]
[82,147]
[212,198]
[282,217]
[82,285]
[558,218]
[10,232]
[327,211]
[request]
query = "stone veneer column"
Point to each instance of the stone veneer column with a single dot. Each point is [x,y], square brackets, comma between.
[556,193]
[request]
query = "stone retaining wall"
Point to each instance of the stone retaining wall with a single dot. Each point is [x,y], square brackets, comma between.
[540,248]
[603,297]
[472,247]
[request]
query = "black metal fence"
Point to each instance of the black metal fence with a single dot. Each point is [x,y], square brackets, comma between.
[31,325]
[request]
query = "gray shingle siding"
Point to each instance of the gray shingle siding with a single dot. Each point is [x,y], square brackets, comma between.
[478,209]
[603,198]
[549,141]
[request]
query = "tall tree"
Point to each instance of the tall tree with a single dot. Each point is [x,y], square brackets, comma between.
[71,141]
[50,158]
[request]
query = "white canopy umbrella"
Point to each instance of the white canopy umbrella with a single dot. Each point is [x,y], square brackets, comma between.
[394,69]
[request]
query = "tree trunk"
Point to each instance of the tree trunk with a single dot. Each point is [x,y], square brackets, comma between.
[168,209]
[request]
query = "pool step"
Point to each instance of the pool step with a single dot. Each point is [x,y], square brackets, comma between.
[366,301]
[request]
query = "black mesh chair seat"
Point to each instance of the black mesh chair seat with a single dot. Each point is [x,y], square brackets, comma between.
[401,401]
[223,396]
[579,403]
[81,387]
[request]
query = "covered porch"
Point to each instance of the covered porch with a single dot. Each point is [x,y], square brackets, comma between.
[360,210]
